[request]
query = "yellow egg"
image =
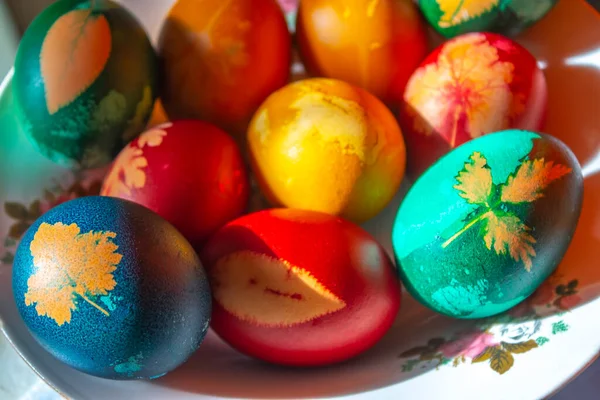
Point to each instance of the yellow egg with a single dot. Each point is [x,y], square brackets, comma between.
[326,145]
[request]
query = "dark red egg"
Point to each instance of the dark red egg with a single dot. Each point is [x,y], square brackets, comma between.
[298,287]
[472,85]
[189,172]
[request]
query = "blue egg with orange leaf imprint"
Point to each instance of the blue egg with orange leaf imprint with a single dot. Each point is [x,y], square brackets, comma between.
[484,226]
[85,81]
[111,289]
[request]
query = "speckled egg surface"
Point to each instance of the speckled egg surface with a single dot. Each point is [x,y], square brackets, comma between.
[299,287]
[325,145]
[487,223]
[189,172]
[111,289]
[508,17]
[470,86]
[85,81]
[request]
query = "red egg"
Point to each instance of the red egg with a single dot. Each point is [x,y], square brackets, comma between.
[299,287]
[474,84]
[189,172]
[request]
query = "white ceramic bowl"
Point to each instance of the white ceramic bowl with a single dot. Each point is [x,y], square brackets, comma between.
[534,349]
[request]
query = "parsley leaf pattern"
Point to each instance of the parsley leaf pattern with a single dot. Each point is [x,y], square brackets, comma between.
[505,233]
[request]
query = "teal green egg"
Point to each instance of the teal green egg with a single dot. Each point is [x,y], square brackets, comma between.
[486,224]
[85,81]
[507,17]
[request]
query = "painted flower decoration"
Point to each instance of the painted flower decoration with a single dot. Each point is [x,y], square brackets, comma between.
[465,94]
[70,266]
[128,172]
[470,345]
[516,332]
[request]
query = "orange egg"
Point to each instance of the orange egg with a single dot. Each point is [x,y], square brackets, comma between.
[375,44]
[222,58]
[325,145]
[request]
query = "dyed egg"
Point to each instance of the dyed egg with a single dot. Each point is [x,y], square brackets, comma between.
[286,300]
[325,145]
[85,81]
[488,223]
[111,289]
[508,17]
[221,59]
[472,85]
[189,172]
[374,44]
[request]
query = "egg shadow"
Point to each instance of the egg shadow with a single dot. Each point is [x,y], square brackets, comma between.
[217,369]
[570,57]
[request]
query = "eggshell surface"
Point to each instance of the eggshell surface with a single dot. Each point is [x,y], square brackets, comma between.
[507,17]
[85,81]
[374,44]
[298,287]
[325,145]
[111,289]
[488,223]
[221,59]
[189,172]
[472,85]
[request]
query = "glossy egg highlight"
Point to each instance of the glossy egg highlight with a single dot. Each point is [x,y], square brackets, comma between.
[373,44]
[85,81]
[488,223]
[507,17]
[298,287]
[221,59]
[469,86]
[111,289]
[325,145]
[189,172]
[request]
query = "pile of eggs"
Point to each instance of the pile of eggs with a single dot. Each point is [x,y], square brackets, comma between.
[126,284]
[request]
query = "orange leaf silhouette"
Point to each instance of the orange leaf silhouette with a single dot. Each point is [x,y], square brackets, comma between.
[74,53]
[459,11]
[270,292]
[475,180]
[504,230]
[466,90]
[70,264]
[128,172]
[531,179]
[508,232]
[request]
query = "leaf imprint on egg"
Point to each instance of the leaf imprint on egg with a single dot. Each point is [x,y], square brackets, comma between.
[503,230]
[465,93]
[267,291]
[74,54]
[455,12]
[70,266]
[128,171]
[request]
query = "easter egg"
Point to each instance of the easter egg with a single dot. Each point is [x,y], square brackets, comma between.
[508,17]
[488,223]
[325,145]
[85,81]
[374,44]
[299,287]
[191,173]
[221,59]
[111,289]
[469,86]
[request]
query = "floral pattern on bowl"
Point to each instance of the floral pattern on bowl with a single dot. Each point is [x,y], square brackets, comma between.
[497,340]
[512,355]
